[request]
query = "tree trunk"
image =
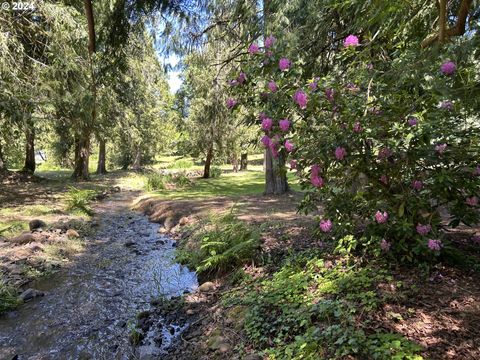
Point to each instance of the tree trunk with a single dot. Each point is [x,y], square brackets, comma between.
[243,162]
[102,154]
[2,160]
[137,162]
[235,163]
[82,156]
[29,165]
[275,174]
[208,163]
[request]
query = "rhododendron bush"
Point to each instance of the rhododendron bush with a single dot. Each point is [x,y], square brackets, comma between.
[387,145]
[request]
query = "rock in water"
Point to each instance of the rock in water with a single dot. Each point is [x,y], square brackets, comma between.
[24,238]
[37,224]
[72,233]
[30,294]
[207,287]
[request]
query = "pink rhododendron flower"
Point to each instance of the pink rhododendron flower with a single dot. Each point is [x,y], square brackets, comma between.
[417,185]
[253,49]
[315,178]
[233,82]
[326,225]
[267,124]
[446,105]
[357,127]
[351,40]
[266,141]
[448,68]
[284,125]
[423,229]
[381,217]
[385,245]
[301,99]
[272,85]
[329,94]
[472,201]
[340,153]
[384,179]
[384,153]
[440,148]
[242,77]
[293,164]
[284,64]
[231,103]
[434,244]
[289,146]
[269,41]
[412,121]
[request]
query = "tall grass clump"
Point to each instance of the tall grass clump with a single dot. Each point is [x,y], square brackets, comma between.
[79,200]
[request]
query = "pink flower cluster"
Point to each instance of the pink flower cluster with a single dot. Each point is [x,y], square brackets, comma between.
[231,103]
[385,245]
[412,121]
[272,85]
[267,124]
[351,40]
[315,178]
[340,153]
[289,146]
[253,49]
[417,185]
[284,125]
[434,245]
[301,99]
[380,217]
[357,127]
[423,229]
[472,201]
[440,148]
[448,68]
[284,64]
[326,225]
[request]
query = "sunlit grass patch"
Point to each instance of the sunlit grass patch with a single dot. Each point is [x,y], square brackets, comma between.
[13,227]
[64,249]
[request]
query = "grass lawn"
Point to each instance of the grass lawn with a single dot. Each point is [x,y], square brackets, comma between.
[228,184]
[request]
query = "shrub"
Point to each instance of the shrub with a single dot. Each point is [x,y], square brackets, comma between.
[215,172]
[224,243]
[79,200]
[384,145]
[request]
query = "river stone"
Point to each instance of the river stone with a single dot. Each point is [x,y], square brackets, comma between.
[72,233]
[169,223]
[207,287]
[30,294]
[37,224]
[24,238]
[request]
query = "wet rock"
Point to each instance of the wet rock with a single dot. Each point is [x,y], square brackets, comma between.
[36,224]
[207,287]
[169,223]
[73,234]
[24,238]
[30,294]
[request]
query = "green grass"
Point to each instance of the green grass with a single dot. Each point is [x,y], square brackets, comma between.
[8,297]
[229,185]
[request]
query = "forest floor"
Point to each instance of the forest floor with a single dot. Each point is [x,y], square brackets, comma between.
[259,308]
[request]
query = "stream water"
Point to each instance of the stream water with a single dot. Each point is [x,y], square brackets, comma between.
[89,307]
